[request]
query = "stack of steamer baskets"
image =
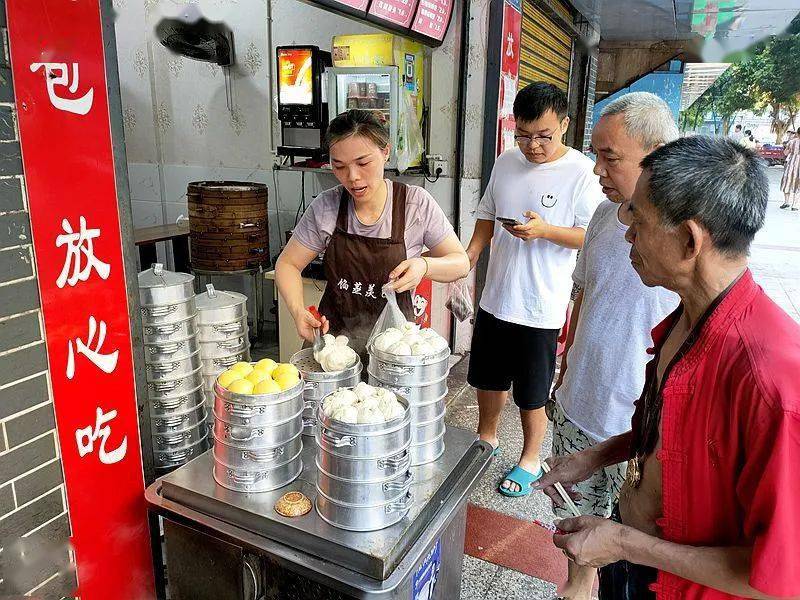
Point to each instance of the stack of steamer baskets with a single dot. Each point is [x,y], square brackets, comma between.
[223,335]
[363,477]
[319,384]
[257,439]
[228,228]
[172,366]
[422,380]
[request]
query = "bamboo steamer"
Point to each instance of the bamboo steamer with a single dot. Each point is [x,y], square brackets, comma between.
[228,225]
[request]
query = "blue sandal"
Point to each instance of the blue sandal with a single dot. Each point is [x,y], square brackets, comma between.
[524,479]
[497,451]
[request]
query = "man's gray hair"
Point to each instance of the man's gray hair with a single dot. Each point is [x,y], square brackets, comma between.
[715,181]
[647,118]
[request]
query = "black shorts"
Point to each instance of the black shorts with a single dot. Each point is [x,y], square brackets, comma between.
[506,354]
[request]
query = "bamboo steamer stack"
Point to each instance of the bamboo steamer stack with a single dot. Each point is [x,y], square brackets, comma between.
[319,384]
[172,367]
[228,225]
[257,439]
[422,380]
[223,336]
[363,477]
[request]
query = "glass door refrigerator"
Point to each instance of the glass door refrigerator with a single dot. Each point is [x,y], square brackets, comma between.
[375,89]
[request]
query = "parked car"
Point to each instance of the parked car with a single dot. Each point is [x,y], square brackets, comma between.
[772,154]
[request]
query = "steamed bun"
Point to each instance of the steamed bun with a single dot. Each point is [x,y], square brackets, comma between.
[346,414]
[388,339]
[400,349]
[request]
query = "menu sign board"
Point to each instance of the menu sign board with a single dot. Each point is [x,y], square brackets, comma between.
[360,5]
[352,8]
[423,20]
[432,18]
[397,12]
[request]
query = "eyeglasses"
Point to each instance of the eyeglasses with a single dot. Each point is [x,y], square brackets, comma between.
[525,140]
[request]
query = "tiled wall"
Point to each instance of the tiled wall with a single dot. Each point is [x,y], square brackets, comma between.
[34,524]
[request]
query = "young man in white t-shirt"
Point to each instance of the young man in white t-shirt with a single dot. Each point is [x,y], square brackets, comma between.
[602,371]
[551,191]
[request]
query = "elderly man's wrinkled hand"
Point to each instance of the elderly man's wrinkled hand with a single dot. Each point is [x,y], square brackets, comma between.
[590,541]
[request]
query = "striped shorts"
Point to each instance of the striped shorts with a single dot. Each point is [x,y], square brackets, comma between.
[599,492]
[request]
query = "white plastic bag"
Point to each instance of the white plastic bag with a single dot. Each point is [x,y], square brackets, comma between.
[410,143]
[459,300]
[391,316]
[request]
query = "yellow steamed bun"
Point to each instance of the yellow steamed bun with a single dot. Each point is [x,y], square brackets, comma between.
[228,377]
[287,380]
[283,369]
[267,386]
[256,376]
[267,365]
[241,386]
[244,368]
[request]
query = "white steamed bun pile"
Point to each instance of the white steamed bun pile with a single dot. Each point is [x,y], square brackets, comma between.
[363,404]
[410,340]
[336,355]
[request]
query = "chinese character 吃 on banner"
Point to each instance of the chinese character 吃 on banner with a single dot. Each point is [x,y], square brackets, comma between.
[87,436]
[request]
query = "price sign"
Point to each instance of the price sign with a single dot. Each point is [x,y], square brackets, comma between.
[432,18]
[396,12]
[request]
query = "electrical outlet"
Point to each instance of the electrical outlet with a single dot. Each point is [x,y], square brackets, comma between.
[434,166]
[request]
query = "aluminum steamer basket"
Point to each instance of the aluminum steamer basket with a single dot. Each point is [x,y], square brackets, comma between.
[220,332]
[257,442]
[365,469]
[415,395]
[262,459]
[157,334]
[258,480]
[413,371]
[320,384]
[427,452]
[354,517]
[361,493]
[159,287]
[353,440]
[220,307]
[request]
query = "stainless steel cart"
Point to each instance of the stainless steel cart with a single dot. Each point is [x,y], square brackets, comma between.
[224,545]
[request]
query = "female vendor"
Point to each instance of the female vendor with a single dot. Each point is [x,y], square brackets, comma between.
[373,231]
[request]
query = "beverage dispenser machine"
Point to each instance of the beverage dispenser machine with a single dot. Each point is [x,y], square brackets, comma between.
[302,107]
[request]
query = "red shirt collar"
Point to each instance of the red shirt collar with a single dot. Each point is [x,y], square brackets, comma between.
[728,305]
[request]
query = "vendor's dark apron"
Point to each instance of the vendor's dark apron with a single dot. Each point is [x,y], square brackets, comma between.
[357,267]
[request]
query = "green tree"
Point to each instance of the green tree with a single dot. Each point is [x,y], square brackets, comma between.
[729,94]
[776,81]
[765,79]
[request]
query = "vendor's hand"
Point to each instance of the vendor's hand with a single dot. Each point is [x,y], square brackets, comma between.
[566,470]
[590,541]
[407,275]
[306,323]
[536,227]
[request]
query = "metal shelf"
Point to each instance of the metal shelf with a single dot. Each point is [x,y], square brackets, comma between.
[414,172]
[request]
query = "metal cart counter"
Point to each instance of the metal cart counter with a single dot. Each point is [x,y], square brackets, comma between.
[227,545]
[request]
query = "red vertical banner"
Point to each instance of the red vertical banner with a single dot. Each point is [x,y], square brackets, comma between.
[59,71]
[509,74]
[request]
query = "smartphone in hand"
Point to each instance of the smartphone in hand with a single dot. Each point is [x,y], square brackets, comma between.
[508,222]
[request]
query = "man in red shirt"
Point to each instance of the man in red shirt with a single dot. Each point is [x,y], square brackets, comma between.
[711,505]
